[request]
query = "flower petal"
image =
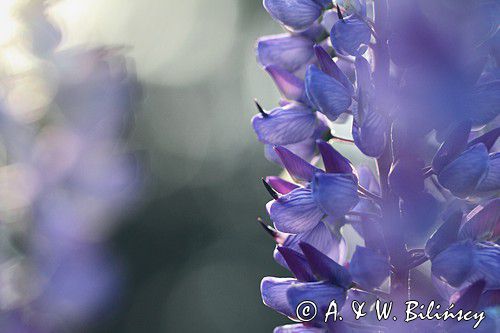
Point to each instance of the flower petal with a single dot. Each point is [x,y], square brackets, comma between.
[489,299]
[333,160]
[285,125]
[295,212]
[363,74]
[330,243]
[314,32]
[330,17]
[325,268]
[485,102]
[367,179]
[467,262]
[304,149]
[369,268]
[487,264]
[371,136]
[280,185]
[297,167]
[445,235]
[328,66]
[492,180]
[363,207]
[336,194]
[454,265]
[290,52]
[482,223]
[454,144]
[488,138]
[274,294]
[297,264]
[350,36]
[321,293]
[463,174]
[290,86]
[324,3]
[296,14]
[328,95]
[372,233]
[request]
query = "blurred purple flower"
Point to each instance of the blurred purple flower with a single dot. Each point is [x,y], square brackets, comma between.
[78,177]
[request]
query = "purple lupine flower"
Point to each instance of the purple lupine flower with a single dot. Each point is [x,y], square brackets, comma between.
[296,14]
[369,268]
[328,89]
[321,237]
[317,278]
[464,167]
[290,52]
[72,177]
[350,35]
[332,193]
[465,253]
[299,128]
[285,57]
[285,125]
[328,95]
[424,104]
[441,85]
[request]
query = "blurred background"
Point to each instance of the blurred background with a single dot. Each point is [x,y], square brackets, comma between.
[191,252]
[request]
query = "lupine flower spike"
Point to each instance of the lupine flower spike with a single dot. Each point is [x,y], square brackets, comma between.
[420,83]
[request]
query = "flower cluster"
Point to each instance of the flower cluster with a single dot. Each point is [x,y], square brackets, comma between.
[420,83]
[66,175]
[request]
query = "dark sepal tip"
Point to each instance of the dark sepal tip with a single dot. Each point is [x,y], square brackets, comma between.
[339,13]
[269,189]
[270,230]
[261,109]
